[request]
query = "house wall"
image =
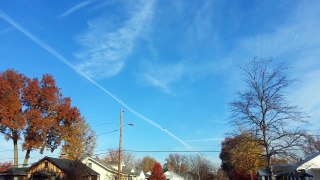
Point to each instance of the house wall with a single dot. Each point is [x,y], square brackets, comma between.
[104,174]
[50,168]
[141,176]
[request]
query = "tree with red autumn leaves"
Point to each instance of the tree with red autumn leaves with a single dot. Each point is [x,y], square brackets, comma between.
[157,173]
[5,166]
[35,111]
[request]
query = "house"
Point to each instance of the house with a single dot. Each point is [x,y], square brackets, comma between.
[109,171]
[137,174]
[311,165]
[147,175]
[49,168]
[54,168]
[14,173]
[287,171]
[173,176]
[307,169]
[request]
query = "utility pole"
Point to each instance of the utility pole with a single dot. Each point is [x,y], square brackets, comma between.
[120,148]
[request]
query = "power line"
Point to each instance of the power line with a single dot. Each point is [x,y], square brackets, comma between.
[166,151]
[105,151]
[107,132]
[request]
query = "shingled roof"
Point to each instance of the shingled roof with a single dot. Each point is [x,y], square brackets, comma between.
[66,165]
[15,171]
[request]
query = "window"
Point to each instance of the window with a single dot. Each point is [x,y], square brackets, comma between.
[90,165]
[46,164]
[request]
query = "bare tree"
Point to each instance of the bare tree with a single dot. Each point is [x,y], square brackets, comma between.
[200,168]
[177,163]
[311,144]
[128,158]
[263,110]
[221,175]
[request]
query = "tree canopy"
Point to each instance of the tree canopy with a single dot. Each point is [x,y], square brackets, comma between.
[200,168]
[79,141]
[177,163]
[147,164]
[241,155]
[128,158]
[36,112]
[262,109]
[157,173]
[5,166]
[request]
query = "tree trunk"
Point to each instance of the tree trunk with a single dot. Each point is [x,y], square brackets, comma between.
[269,166]
[15,149]
[26,158]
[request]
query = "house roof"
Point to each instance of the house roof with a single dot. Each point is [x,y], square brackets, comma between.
[65,164]
[172,175]
[15,171]
[284,170]
[309,158]
[109,166]
[104,164]
[263,172]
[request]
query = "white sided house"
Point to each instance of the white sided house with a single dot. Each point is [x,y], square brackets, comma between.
[311,165]
[307,169]
[110,171]
[172,176]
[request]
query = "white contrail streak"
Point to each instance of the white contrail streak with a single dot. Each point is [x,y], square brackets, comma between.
[75,8]
[56,54]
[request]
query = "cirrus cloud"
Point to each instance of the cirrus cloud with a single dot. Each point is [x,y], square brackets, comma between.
[105,52]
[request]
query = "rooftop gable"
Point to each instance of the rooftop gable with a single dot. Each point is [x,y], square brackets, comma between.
[311,162]
[65,165]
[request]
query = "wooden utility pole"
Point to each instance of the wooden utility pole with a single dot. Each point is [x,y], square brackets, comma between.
[120,148]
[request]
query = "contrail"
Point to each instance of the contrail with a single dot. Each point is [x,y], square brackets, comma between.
[56,54]
[75,8]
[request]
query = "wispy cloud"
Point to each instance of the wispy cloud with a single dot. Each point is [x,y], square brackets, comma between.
[163,75]
[105,52]
[307,96]
[61,58]
[158,83]
[297,41]
[75,8]
[298,34]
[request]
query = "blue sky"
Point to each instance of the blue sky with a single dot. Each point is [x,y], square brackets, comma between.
[173,66]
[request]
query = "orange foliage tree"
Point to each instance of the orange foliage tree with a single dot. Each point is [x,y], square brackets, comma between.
[79,141]
[147,163]
[241,156]
[157,173]
[12,117]
[35,109]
